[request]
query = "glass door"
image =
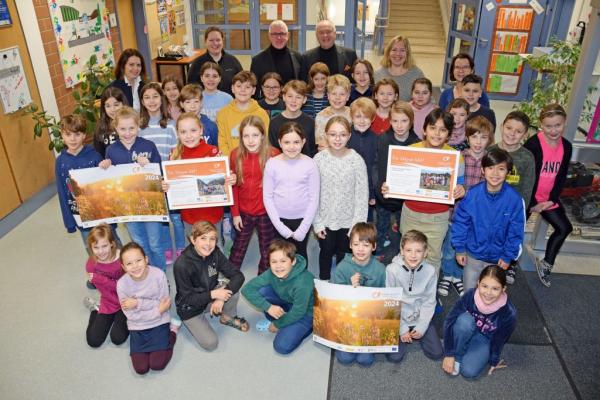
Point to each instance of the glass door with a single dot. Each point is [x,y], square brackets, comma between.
[462,35]
[360,32]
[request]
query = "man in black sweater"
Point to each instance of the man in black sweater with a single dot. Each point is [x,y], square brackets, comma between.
[277,57]
[338,59]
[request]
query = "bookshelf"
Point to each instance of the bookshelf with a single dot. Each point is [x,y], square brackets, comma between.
[512,31]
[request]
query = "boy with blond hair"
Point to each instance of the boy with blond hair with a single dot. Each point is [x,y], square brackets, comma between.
[338,92]
[229,117]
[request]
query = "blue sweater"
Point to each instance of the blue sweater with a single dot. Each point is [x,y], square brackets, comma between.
[118,154]
[497,326]
[86,158]
[489,226]
[365,144]
[210,131]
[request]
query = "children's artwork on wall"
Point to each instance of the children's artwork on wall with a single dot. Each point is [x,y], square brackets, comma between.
[172,22]
[14,90]
[163,22]
[82,29]
[161,7]
[4,14]
[180,17]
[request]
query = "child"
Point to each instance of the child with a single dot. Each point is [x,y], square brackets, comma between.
[471,92]
[144,296]
[360,268]
[552,153]
[344,194]
[111,101]
[199,290]
[294,96]
[190,99]
[400,134]
[104,270]
[291,188]
[316,97]
[338,91]
[130,148]
[248,210]
[362,75]
[489,223]
[478,326]
[285,294]
[191,145]
[385,93]
[74,155]
[421,103]
[461,65]
[213,98]
[417,278]
[479,136]
[522,175]
[160,130]
[432,218]
[243,87]
[364,141]
[270,86]
[171,86]
[459,108]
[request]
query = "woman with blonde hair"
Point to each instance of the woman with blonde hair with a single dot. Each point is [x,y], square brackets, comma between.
[398,64]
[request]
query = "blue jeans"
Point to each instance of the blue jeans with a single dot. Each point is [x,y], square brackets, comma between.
[85,232]
[178,231]
[384,218]
[363,359]
[149,236]
[472,348]
[449,265]
[289,337]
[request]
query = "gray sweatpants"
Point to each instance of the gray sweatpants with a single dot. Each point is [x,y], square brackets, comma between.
[200,328]
[472,271]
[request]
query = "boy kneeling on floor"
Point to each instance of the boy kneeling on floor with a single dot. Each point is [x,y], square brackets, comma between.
[285,294]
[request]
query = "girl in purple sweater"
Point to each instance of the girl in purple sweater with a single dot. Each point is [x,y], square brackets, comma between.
[291,188]
[104,270]
[144,296]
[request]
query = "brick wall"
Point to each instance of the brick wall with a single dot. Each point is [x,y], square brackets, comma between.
[63,95]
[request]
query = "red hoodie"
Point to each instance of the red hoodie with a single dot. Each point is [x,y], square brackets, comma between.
[210,214]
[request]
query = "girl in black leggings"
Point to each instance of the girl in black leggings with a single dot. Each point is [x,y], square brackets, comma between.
[552,154]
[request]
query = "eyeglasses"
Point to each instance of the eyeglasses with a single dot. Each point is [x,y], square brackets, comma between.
[278,34]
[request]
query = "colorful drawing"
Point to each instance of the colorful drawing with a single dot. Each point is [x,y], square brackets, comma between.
[498,83]
[14,90]
[82,29]
[163,22]
[172,22]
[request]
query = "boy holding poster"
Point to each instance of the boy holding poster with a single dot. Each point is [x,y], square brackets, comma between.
[360,268]
[285,294]
[418,280]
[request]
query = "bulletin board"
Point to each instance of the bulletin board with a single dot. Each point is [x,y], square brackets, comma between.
[14,90]
[512,31]
[4,14]
[166,24]
[82,29]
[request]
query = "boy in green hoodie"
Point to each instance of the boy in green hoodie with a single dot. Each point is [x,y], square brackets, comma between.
[285,294]
[361,268]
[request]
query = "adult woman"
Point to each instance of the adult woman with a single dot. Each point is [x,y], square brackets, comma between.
[552,153]
[130,76]
[398,63]
[213,38]
[462,65]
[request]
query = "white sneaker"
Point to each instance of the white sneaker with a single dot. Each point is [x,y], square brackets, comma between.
[91,304]
[456,369]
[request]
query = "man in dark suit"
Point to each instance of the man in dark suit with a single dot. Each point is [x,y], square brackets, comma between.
[277,57]
[338,59]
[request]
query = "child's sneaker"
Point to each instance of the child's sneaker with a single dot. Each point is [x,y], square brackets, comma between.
[510,275]
[543,269]
[175,324]
[263,325]
[169,256]
[458,286]
[91,304]
[444,285]
[456,369]
[90,285]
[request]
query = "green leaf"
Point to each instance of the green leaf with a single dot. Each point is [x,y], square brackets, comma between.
[76,95]
[37,130]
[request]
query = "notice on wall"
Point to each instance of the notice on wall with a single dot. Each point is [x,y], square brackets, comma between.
[537,7]
[287,12]
[14,90]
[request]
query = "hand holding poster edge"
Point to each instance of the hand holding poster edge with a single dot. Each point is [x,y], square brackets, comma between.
[421,174]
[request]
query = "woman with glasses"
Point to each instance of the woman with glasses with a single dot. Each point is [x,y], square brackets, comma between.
[214,39]
[462,65]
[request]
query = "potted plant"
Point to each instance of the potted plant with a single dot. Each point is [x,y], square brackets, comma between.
[95,78]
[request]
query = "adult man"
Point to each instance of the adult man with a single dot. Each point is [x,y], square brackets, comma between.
[277,57]
[338,59]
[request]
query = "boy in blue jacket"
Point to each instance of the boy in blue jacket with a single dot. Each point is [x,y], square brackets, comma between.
[489,223]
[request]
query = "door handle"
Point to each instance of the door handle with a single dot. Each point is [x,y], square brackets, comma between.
[482,42]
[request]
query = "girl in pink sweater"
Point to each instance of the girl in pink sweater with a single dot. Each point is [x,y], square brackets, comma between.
[104,270]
